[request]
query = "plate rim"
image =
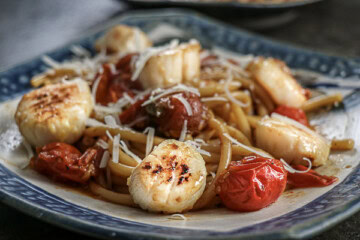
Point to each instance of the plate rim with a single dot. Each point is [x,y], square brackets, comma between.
[62,220]
[80,226]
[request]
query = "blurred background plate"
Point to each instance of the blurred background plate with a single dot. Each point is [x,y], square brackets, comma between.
[223,4]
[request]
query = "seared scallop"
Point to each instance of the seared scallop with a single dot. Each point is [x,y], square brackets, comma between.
[292,142]
[54,113]
[275,77]
[123,39]
[172,66]
[163,69]
[170,179]
[191,61]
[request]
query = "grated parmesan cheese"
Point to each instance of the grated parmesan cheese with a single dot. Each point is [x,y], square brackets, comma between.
[104,160]
[185,103]
[110,121]
[124,147]
[292,170]
[183,132]
[163,92]
[117,119]
[200,141]
[115,152]
[147,54]
[197,147]
[149,139]
[133,123]
[109,135]
[108,110]
[128,98]
[236,142]
[113,69]
[94,89]
[177,217]
[209,99]
[91,122]
[228,93]
[102,144]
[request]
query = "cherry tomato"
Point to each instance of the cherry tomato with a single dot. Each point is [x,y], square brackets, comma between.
[64,162]
[308,179]
[112,86]
[169,114]
[294,113]
[134,113]
[252,183]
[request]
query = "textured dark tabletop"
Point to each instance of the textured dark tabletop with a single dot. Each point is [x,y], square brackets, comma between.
[29,28]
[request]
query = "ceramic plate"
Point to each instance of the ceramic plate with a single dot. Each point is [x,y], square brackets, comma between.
[298,213]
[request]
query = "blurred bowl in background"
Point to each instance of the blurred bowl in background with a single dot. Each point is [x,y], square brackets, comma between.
[251,15]
[255,5]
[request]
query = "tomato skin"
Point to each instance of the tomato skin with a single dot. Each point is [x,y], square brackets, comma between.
[169,114]
[135,112]
[294,113]
[252,183]
[63,162]
[113,86]
[308,179]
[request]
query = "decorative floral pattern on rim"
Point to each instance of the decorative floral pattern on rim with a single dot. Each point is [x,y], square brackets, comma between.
[16,191]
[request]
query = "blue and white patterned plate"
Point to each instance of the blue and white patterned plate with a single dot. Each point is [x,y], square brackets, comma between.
[297,214]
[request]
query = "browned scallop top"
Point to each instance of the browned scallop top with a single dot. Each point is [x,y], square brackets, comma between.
[171,167]
[50,101]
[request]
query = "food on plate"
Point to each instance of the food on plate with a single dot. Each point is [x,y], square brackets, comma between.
[169,65]
[63,162]
[54,113]
[291,140]
[296,114]
[275,77]
[175,128]
[123,39]
[251,183]
[170,179]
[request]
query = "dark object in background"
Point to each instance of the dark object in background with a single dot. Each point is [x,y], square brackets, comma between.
[232,4]
[255,16]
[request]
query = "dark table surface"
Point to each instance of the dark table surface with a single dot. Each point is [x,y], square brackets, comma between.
[29,28]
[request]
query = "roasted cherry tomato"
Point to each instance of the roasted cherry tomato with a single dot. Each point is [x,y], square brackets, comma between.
[112,86]
[169,114]
[252,183]
[136,114]
[64,162]
[308,179]
[294,113]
